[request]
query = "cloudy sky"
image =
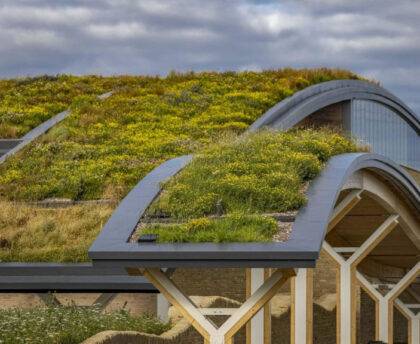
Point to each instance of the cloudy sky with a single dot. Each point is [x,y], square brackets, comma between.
[377,38]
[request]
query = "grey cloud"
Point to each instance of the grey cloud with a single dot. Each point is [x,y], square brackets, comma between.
[377,38]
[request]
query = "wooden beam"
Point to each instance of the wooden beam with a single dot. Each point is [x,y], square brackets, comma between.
[413,333]
[404,282]
[162,307]
[345,249]
[255,327]
[415,330]
[374,295]
[49,299]
[381,285]
[267,313]
[387,316]
[258,330]
[239,317]
[344,208]
[413,305]
[104,299]
[375,238]
[301,315]
[187,308]
[329,250]
[347,309]
[217,311]
[255,302]
[404,309]
[413,294]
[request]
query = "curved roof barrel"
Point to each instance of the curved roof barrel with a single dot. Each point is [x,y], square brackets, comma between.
[292,110]
[302,249]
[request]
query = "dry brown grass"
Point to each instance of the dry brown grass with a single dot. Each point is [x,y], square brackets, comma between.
[31,233]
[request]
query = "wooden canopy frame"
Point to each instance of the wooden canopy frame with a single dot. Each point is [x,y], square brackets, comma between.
[349,276]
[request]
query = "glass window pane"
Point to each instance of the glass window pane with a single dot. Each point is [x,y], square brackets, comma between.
[385,132]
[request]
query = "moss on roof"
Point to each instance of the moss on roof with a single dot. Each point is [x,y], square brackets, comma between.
[242,179]
[105,147]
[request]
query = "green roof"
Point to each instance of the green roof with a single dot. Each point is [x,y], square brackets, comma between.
[105,147]
[27,102]
[226,193]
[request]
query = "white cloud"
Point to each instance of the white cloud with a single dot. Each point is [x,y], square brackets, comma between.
[270,19]
[31,38]
[367,43]
[378,38]
[117,31]
[45,15]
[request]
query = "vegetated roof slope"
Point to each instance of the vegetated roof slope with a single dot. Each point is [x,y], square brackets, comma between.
[223,194]
[27,102]
[105,147]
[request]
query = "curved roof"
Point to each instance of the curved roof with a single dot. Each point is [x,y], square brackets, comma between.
[302,248]
[312,220]
[112,248]
[292,110]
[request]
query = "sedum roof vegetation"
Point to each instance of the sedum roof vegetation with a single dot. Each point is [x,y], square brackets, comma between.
[225,192]
[27,102]
[105,147]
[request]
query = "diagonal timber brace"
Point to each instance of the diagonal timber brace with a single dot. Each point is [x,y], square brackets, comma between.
[225,333]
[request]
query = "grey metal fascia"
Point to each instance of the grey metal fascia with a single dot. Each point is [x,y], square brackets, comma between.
[125,217]
[77,283]
[312,220]
[62,277]
[291,110]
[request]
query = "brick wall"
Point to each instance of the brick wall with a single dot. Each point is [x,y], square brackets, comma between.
[366,324]
[229,283]
[400,327]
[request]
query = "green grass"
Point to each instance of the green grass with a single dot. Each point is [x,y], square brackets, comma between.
[257,173]
[232,228]
[69,325]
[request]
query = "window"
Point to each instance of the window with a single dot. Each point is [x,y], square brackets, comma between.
[385,132]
